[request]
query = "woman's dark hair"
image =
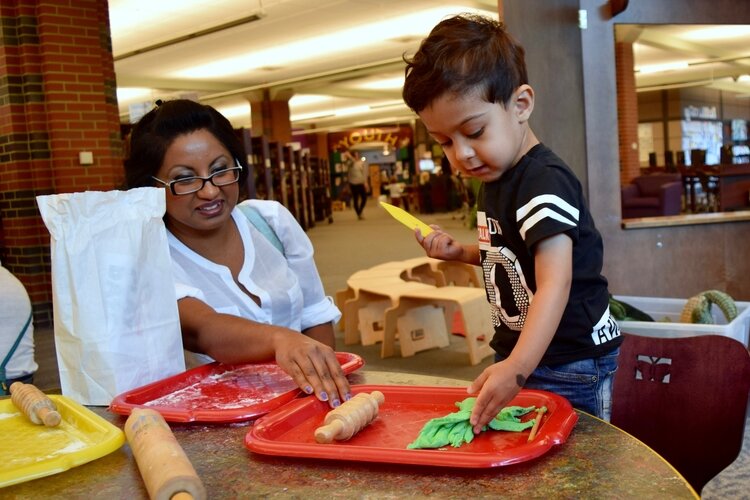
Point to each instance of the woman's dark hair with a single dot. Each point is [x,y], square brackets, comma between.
[462,54]
[155,132]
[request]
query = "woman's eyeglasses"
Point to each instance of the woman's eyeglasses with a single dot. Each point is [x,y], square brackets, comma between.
[188,185]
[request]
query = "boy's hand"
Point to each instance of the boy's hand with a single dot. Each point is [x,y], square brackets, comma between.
[439,244]
[497,385]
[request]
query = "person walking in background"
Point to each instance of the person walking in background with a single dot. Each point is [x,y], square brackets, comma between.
[540,252]
[16,333]
[395,192]
[357,177]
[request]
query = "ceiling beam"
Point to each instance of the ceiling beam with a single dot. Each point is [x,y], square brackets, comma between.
[693,75]
[168,84]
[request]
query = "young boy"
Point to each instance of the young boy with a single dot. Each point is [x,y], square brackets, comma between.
[540,253]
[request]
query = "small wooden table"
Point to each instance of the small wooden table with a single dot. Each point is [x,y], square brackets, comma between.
[597,461]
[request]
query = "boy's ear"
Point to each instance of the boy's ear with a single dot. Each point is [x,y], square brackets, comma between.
[524,102]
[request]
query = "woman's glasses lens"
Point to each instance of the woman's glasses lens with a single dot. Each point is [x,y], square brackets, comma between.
[218,179]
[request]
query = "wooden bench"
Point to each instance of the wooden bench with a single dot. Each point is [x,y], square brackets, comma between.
[398,270]
[411,297]
[474,311]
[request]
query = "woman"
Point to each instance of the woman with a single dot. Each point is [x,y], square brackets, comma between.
[16,333]
[240,299]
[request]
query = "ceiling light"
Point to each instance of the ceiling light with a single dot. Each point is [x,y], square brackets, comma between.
[352,110]
[384,84]
[302,99]
[330,113]
[387,104]
[239,110]
[659,68]
[129,15]
[126,94]
[348,40]
[718,32]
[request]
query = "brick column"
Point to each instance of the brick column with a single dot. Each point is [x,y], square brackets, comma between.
[57,98]
[627,113]
[270,115]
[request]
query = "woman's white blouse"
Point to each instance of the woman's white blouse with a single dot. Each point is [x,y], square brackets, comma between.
[15,307]
[289,288]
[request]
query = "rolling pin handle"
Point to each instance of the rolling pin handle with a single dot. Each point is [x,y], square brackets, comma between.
[327,433]
[50,417]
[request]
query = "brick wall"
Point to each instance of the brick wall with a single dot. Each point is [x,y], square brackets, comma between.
[57,98]
[627,113]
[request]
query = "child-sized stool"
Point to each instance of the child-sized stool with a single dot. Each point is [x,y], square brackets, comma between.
[422,328]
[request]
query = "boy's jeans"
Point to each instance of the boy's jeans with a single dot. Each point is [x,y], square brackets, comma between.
[586,383]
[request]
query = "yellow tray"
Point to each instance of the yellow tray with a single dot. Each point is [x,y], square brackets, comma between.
[32,451]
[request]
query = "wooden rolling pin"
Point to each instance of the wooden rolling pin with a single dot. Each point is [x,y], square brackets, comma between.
[351,417]
[166,470]
[34,404]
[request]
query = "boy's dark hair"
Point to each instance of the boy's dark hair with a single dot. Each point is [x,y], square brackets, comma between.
[155,132]
[463,53]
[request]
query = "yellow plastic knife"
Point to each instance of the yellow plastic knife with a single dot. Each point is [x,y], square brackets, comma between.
[406,218]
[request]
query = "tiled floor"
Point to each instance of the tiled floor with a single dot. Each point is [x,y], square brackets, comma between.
[348,245]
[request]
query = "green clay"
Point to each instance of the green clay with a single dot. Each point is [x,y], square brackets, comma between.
[454,429]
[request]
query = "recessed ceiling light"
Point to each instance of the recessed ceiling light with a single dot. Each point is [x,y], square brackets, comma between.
[718,32]
[239,110]
[383,84]
[659,68]
[301,99]
[125,94]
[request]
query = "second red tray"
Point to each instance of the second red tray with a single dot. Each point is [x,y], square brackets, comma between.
[289,431]
[220,393]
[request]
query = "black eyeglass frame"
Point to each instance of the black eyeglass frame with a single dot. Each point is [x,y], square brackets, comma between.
[210,178]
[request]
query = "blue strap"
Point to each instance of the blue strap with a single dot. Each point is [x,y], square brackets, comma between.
[261,225]
[3,380]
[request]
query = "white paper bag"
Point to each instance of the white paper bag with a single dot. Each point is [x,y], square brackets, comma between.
[115,310]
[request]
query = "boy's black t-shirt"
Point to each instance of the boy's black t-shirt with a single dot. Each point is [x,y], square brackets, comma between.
[541,197]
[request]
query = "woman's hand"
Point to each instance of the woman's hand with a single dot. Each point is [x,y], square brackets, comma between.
[230,339]
[313,366]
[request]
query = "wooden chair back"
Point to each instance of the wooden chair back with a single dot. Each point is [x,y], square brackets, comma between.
[686,398]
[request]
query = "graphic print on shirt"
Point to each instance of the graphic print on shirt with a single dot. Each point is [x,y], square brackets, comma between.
[605,329]
[507,291]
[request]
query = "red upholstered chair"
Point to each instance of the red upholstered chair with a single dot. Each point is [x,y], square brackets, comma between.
[652,195]
[686,398]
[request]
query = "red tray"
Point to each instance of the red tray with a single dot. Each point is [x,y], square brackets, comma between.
[289,431]
[220,393]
